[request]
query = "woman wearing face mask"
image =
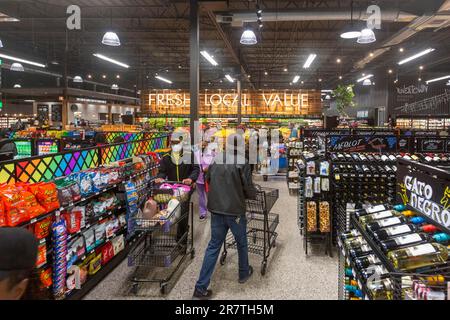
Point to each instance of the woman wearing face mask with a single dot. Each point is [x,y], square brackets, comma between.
[177,166]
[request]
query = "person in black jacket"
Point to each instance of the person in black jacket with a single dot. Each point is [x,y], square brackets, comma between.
[173,168]
[230,184]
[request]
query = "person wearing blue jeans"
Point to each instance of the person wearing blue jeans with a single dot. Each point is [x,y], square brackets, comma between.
[230,184]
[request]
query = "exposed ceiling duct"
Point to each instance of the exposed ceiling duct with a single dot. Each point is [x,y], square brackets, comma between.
[239,18]
[439,20]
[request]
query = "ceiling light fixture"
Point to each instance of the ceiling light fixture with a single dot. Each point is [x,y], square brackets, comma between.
[349,31]
[8,57]
[421,67]
[266,73]
[78,79]
[1,43]
[17,86]
[260,24]
[258,9]
[371,54]
[17,67]
[208,57]
[163,79]
[390,71]
[310,60]
[340,77]
[115,87]
[367,82]
[367,36]
[338,60]
[118,76]
[327,97]
[104,76]
[248,38]
[420,79]
[417,55]
[438,79]
[302,82]
[89,76]
[285,69]
[229,78]
[401,49]
[111,39]
[101,56]
[296,78]
[320,79]
[365,77]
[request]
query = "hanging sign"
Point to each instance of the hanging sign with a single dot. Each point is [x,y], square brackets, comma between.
[362,144]
[433,145]
[427,194]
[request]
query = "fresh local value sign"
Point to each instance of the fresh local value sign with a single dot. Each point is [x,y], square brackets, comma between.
[430,196]
[219,99]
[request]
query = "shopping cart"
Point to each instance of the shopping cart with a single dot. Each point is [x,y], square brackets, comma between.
[162,248]
[261,226]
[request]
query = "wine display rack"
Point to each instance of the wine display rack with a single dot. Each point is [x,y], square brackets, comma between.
[294,150]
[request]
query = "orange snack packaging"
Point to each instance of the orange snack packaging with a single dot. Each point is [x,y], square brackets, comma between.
[15,208]
[46,194]
[33,207]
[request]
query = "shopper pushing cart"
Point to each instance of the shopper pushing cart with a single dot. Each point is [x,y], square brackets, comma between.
[230,184]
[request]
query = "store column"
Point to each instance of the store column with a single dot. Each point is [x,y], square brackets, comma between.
[110,117]
[194,77]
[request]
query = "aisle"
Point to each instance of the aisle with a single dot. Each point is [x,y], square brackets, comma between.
[290,274]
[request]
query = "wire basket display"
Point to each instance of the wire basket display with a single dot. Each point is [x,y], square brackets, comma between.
[265,200]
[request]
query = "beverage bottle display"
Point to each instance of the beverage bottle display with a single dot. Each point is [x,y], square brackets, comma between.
[365,261]
[377,216]
[386,233]
[404,240]
[419,256]
[378,224]
[377,270]
[354,242]
[383,289]
[352,234]
[372,209]
[360,251]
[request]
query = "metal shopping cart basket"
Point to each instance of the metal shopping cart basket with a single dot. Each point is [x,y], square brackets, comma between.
[261,226]
[162,248]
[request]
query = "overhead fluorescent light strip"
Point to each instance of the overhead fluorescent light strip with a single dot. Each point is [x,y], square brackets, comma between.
[417,55]
[296,78]
[100,56]
[208,57]
[163,79]
[437,79]
[5,56]
[229,78]
[364,78]
[310,60]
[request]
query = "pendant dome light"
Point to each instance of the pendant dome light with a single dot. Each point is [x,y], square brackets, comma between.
[17,67]
[115,87]
[248,38]
[78,79]
[111,39]
[350,31]
[17,86]
[367,36]
[1,43]
[367,82]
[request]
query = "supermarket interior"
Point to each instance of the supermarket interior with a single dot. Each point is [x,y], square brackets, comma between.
[118,120]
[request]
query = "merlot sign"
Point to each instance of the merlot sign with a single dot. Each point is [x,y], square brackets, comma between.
[365,143]
[424,193]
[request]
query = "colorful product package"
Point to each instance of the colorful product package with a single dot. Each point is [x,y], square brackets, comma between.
[75,250]
[41,255]
[73,221]
[15,208]
[95,264]
[100,233]
[118,244]
[85,183]
[47,195]
[75,191]
[59,235]
[33,208]
[81,211]
[64,193]
[45,277]
[2,215]
[89,239]
[107,252]
[42,228]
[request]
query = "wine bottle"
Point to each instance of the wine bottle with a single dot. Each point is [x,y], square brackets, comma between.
[360,251]
[351,234]
[402,241]
[384,158]
[365,261]
[355,157]
[379,270]
[385,233]
[377,216]
[371,209]
[392,157]
[348,157]
[370,158]
[365,169]
[377,157]
[414,257]
[362,157]
[378,224]
[354,242]
[383,289]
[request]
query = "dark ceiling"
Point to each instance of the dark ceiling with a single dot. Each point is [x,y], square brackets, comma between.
[155,39]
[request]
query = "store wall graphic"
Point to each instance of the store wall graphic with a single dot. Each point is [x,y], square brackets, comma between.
[286,102]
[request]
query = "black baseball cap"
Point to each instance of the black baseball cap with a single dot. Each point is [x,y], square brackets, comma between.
[18,250]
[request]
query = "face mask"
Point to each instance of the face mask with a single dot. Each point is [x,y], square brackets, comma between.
[177,148]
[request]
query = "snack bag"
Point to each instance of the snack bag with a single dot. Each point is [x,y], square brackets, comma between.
[85,183]
[42,255]
[45,276]
[73,221]
[107,252]
[75,191]
[47,195]
[34,209]
[15,208]
[2,215]
[42,228]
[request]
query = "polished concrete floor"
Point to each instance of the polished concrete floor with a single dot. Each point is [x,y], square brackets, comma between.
[290,274]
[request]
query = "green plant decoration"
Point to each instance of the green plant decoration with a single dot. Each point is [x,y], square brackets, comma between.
[344,99]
